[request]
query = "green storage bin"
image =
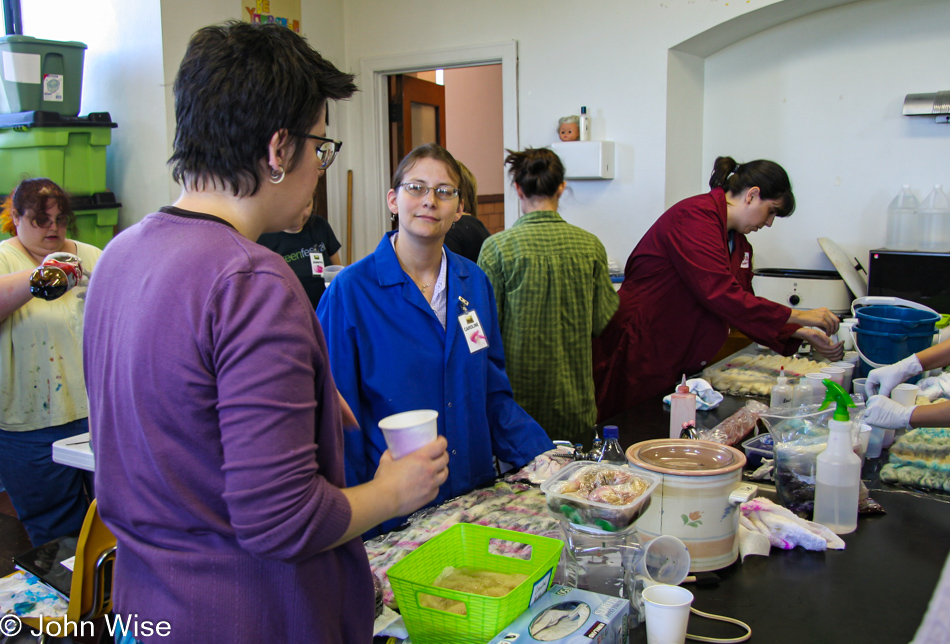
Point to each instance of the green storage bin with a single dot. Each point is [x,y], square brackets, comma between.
[69,151]
[40,75]
[96,219]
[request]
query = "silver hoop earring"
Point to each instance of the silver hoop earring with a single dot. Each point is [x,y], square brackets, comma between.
[278,175]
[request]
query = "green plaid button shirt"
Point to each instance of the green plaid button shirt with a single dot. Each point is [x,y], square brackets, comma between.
[554,294]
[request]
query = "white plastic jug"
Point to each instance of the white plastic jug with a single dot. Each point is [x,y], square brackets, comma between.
[902,221]
[934,221]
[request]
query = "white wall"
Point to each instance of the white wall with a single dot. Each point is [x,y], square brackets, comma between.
[613,57]
[610,56]
[822,96]
[122,75]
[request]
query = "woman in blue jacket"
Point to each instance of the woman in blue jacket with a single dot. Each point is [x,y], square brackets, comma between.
[414,326]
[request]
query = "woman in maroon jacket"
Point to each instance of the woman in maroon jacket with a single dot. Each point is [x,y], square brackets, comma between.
[690,279]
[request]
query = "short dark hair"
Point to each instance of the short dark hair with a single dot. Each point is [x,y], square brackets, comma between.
[237,85]
[537,171]
[35,195]
[768,176]
[428,151]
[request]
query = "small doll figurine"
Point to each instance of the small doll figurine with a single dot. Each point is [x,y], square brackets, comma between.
[568,128]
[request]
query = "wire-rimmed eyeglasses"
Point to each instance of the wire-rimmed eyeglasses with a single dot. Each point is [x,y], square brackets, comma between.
[326,151]
[444,193]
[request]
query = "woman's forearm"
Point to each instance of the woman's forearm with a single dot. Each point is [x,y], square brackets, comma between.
[936,415]
[14,292]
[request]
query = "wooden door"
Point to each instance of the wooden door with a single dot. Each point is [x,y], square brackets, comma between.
[416,116]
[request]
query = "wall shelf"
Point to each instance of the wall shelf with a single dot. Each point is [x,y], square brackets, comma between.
[586,160]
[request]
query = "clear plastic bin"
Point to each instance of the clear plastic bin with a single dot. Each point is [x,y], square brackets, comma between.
[593,514]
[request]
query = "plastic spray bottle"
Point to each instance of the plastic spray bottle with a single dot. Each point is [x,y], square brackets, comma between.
[682,408]
[781,392]
[838,473]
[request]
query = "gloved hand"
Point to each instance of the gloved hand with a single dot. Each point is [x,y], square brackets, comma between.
[881,411]
[83,286]
[58,273]
[882,380]
[935,387]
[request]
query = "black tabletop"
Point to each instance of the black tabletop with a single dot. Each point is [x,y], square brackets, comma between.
[875,590]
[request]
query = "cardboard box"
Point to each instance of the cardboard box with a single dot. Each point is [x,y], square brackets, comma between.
[565,615]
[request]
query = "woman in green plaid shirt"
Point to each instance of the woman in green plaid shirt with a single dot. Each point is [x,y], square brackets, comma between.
[554,294]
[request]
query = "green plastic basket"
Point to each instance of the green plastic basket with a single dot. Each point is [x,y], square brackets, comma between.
[467,544]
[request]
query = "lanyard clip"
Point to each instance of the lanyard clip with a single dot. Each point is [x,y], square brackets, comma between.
[464,304]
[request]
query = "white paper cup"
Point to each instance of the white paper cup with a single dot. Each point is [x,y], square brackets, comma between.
[890,435]
[816,380]
[864,435]
[857,384]
[410,430]
[667,613]
[905,394]
[875,441]
[665,560]
[848,372]
[834,373]
[845,334]
[331,271]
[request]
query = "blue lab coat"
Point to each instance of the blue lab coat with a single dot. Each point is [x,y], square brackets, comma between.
[389,354]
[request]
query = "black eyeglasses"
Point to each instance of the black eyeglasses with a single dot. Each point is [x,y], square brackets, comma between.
[326,151]
[42,220]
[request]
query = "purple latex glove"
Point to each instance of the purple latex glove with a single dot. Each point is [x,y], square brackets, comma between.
[881,411]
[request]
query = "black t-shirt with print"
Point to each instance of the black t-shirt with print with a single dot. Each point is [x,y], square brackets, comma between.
[296,248]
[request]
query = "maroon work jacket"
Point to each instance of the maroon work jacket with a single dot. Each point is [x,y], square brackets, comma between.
[682,290]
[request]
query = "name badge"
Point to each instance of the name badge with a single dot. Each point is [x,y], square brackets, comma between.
[472,330]
[745,261]
[316,263]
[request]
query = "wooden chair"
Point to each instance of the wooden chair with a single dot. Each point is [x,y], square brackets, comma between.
[90,595]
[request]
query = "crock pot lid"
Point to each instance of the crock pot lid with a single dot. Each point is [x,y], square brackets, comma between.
[842,262]
[691,456]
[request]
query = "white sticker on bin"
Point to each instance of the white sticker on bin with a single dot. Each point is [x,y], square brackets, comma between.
[21,68]
[540,587]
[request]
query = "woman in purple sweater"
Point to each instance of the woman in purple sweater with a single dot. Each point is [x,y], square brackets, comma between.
[216,422]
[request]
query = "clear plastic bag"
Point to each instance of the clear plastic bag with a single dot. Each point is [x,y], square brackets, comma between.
[800,435]
[735,428]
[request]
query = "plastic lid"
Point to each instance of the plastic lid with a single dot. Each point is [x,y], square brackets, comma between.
[583,109]
[781,377]
[40,118]
[611,431]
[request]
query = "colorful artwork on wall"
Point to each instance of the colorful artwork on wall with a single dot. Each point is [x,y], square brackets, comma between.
[282,12]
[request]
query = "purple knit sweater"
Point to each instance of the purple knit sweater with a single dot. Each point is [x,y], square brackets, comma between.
[219,447]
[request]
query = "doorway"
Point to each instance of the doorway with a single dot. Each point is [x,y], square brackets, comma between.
[461,109]
[376,129]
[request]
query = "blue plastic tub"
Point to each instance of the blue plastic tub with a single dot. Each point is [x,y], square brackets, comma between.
[895,319]
[888,348]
